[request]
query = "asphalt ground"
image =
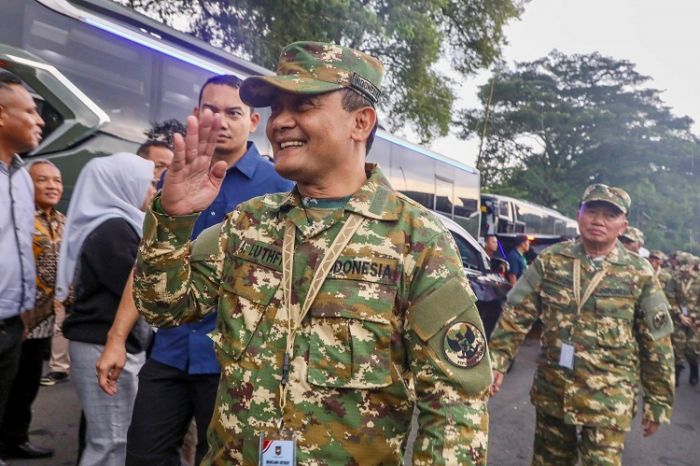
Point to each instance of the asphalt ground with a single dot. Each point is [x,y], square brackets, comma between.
[56,420]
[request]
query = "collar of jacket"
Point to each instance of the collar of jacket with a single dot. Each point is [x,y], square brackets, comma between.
[375,199]
[618,255]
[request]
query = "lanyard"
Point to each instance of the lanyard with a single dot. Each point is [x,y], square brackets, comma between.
[295,314]
[595,281]
[685,287]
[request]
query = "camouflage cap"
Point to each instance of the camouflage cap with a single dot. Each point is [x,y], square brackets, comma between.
[633,234]
[601,192]
[684,258]
[658,254]
[316,68]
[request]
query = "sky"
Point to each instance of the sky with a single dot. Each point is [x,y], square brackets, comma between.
[660,36]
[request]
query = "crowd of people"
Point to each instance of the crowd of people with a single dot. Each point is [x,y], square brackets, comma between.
[225,309]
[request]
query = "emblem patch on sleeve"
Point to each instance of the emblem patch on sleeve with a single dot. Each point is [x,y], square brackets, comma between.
[464,345]
[659,320]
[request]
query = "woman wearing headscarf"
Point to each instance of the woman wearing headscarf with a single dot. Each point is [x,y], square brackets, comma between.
[101,237]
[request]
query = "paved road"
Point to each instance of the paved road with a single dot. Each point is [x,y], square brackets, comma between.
[512,422]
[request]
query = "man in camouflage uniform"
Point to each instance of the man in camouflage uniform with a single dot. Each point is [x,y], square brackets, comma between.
[341,304]
[657,259]
[683,291]
[632,239]
[605,322]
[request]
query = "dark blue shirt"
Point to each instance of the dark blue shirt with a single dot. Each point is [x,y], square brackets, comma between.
[516,263]
[188,347]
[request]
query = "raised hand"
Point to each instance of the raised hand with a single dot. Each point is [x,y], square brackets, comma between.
[192,182]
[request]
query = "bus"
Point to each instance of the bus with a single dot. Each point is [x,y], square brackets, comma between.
[507,217]
[102,74]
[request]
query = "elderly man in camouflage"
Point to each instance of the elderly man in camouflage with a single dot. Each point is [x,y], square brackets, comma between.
[683,291]
[341,304]
[605,322]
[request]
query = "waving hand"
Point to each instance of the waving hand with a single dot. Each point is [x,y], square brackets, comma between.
[192,182]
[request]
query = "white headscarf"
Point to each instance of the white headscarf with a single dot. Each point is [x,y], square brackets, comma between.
[108,187]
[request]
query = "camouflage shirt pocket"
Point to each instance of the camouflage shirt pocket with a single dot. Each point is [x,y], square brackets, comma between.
[614,321]
[247,290]
[350,335]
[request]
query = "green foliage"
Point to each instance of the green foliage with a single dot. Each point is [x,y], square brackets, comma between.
[563,122]
[408,36]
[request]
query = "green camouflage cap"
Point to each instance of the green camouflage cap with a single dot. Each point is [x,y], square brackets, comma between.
[316,68]
[601,192]
[684,260]
[633,234]
[658,254]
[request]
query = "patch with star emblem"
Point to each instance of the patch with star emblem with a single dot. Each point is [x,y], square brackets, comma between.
[464,345]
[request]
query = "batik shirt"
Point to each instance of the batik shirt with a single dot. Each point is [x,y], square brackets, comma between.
[48,232]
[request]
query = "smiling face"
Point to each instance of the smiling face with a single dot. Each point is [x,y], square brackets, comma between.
[311,135]
[237,121]
[20,122]
[48,185]
[600,223]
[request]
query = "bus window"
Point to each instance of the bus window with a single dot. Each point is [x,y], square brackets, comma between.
[178,89]
[418,170]
[444,191]
[98,63]
[470,256]
[466,187]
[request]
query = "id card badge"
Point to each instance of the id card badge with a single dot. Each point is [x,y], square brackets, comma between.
[684,310]
[277,451]
[566,357]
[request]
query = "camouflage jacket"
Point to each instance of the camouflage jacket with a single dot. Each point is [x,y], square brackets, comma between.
[663,275]
[622,332]
[394,324]
[683,291]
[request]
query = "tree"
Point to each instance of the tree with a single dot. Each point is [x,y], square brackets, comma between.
[563,122]
[408,36]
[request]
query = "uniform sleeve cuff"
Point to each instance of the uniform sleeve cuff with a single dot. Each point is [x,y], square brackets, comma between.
[660,414]
[159,227]
[499,362]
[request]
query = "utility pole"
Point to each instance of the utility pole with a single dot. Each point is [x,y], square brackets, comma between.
[486,118]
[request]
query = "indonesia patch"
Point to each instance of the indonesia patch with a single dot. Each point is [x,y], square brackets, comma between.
[464,345]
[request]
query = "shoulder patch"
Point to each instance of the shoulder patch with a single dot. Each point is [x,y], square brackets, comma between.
[464,345]
[656,315]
